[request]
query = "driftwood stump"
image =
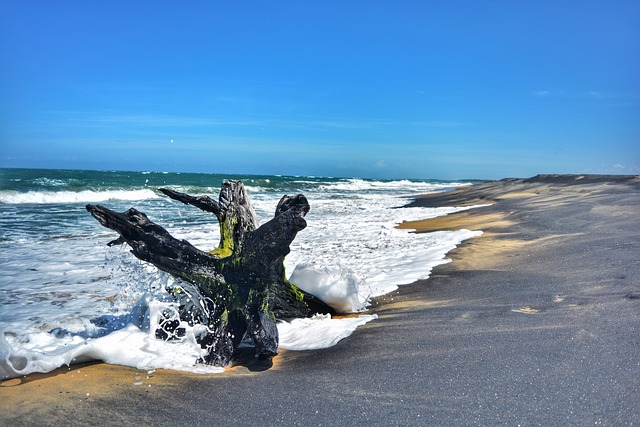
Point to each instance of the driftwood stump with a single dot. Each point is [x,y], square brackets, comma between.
[239,288]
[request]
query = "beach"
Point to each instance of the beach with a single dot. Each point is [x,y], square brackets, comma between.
[535,322]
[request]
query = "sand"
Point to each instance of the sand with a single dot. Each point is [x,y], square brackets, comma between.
[536,322]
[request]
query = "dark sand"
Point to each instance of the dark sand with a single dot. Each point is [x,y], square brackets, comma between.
[536,322]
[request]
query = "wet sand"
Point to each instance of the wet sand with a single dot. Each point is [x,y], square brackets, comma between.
[536,322]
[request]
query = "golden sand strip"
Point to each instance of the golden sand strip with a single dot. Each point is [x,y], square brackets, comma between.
[479,252]
[496,245]
[70,385]
[469,220]
[83,384]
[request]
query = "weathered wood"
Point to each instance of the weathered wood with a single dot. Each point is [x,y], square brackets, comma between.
[233,211]
[240,287]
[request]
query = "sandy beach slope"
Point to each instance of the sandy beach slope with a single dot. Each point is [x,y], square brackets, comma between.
[536,322]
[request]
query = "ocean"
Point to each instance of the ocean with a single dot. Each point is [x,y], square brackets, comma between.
[57,273]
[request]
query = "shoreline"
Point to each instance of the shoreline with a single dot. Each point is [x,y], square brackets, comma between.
[534,321]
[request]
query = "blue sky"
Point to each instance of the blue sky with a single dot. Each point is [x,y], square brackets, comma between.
[388,89]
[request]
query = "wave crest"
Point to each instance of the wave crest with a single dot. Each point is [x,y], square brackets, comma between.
[85,196]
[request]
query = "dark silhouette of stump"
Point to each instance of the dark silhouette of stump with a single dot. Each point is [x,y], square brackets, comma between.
[239,289]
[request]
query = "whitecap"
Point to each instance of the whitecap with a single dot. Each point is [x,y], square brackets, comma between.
[85,196]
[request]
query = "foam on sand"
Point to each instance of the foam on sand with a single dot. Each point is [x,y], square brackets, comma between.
[326,332]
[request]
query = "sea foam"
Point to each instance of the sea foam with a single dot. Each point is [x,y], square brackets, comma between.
[133,344]
[85,196]
[294,335]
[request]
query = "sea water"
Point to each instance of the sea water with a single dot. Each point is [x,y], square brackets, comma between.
[57,276]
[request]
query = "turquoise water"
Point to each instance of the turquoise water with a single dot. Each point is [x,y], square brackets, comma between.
[23,180]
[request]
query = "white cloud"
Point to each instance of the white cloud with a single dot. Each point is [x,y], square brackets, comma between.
[380,164]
